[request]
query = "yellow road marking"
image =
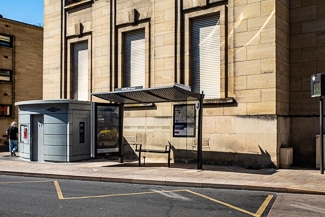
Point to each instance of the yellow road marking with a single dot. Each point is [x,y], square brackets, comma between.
[223,203]
[58,190]
[60,196]
[25,182]
[264,205]
[257,214]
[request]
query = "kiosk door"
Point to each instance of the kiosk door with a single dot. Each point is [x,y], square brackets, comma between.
[37,138]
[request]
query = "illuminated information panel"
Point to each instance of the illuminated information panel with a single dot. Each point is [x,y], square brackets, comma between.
[317,85]
[184,121]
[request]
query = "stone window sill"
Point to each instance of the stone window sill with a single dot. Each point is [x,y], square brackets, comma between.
[77,3]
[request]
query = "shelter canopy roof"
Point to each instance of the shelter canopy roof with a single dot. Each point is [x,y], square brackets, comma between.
[175,93]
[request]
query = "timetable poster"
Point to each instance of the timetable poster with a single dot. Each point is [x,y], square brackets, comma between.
[184,121]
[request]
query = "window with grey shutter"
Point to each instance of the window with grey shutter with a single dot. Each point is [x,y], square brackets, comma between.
[134,59]
[205,56]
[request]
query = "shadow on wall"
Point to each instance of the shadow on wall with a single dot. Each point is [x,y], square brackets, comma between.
[248,161]
[129,151]
[227,162]
[4,144]
[244,160]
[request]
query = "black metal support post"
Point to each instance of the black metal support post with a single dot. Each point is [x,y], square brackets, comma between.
[121,138]
[321,121]
[199,142]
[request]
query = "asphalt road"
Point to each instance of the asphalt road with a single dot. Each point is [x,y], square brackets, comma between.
[26,196]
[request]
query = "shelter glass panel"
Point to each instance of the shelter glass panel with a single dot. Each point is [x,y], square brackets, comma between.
[184,120]
[107,129]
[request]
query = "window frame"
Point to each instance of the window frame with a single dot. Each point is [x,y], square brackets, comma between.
[128,76]
[120,71]
[10,44]
[205,55]
[68,77]
[68,4]
[10,75]
[187,45]
[10,110]
[77,79]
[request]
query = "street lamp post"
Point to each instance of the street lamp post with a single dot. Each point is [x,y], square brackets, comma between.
[317,84]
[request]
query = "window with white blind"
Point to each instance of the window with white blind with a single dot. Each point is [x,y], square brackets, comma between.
[5,110]
[205,56]
[5,40]
[80,71]
[5,75]
[134,58]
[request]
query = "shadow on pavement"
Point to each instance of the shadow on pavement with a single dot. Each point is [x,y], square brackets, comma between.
[231,169]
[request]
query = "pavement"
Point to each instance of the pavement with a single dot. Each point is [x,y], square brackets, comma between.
[293,180]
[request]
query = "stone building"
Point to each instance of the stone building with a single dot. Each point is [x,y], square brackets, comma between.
[21,66]
[251,58]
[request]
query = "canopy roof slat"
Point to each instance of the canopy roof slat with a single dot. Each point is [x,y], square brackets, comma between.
[175,93]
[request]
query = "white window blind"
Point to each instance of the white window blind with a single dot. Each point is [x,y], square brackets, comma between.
[134,58]
[205,56]
[80,71]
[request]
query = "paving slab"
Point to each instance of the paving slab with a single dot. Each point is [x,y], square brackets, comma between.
[294,180]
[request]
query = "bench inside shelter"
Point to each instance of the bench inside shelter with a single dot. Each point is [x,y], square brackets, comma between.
[167,149]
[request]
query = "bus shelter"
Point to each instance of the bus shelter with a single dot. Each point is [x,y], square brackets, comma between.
[139,95]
